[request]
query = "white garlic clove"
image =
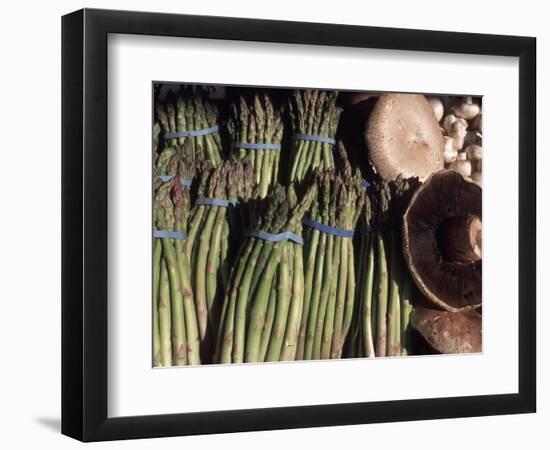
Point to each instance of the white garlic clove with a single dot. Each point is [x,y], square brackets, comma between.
[462,156]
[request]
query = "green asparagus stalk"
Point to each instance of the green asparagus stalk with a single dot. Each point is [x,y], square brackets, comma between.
[406,310]
[402,191]
[224,345]
[366,298]
[165,317]
[381,196]
[259,307]
[296,307]
[320,281]
[269,318]
[394,320]
[157,253]
[308,290]
[181,201]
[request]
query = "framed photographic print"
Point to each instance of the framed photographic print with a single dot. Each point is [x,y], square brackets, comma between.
[273,224]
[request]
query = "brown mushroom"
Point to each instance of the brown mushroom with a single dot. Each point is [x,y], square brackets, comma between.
[355,97]
[449,332]
[442,240]
[403,137]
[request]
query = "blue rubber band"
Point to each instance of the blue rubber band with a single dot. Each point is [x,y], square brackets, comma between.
[250,146]
[165,234]
[216,202]
[340,232]
[276,237]
[183,181]
[315,138]
[365,184]
[191,133]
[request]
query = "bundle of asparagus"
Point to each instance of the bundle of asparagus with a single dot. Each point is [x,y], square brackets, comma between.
[175,328]
[189,115]
[330,268]
[384,296]
[256,129]
[315,119]
[209,243]
[264,300]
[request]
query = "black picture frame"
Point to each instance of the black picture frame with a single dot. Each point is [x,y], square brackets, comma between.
[84,224]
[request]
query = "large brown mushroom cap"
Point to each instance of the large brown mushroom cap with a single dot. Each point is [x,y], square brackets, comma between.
[448,332]
[404,138]
[442,240]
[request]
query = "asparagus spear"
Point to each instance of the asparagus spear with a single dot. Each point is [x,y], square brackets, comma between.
[394,322]
[157,355]
[382,270]
[296,307]
[165,317]
[224,345]
[366,299]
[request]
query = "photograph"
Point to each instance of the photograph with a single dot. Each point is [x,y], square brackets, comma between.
[274,224]
[300,224]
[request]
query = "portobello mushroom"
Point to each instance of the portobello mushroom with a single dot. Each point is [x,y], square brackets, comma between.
[403,137]
[442,240]
[448,332]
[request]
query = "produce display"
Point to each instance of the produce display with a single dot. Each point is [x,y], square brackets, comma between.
[310,224]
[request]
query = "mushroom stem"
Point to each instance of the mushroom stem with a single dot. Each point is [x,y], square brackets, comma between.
[462,239]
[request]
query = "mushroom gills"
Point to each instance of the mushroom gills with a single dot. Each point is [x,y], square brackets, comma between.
[460,238]
[442,241]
